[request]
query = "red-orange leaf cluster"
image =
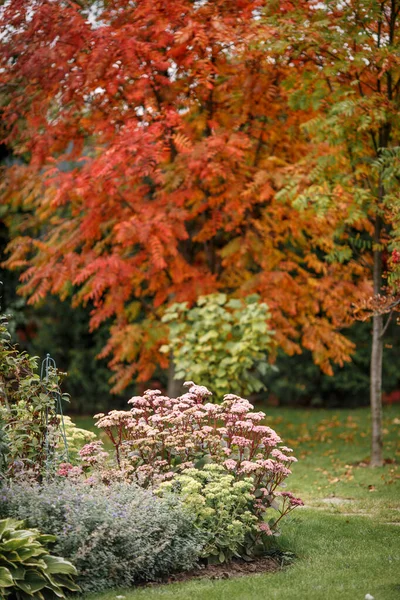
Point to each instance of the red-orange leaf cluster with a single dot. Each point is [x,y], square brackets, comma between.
[157,135]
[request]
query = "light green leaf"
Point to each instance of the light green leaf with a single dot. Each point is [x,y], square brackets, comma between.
[57,564]
[6,579]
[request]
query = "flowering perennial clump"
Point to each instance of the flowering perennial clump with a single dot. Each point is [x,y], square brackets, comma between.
[160,437]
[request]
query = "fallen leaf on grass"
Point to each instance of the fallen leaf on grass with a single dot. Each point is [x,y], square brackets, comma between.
[349,475]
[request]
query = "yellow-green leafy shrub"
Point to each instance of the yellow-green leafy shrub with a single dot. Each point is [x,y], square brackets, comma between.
[76,438]
[222,507]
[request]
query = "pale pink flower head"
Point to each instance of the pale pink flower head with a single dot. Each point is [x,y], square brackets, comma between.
[198,414]
[293,501]
[68,470]
[279,455]
[286,449]
[247,425]
[228,397]
[241,407]
[267,464]
[155,418]
[137,401]
[93,453]
[185,465]
[186,397]
[282,470]
[241,441]
[135,412]
[152,393]
[91,449]
[262,429]
[114,418]
[75,472]
[212,409]
[64,469]
[197,390]
[230,464]
[207,429]
[272,440]
[182,405]
[256,416]
[247,466]
[265,528]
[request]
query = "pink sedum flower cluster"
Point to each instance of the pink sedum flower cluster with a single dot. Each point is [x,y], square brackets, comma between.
[70,471]
[161,436]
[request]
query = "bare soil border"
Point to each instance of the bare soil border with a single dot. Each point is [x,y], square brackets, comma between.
[235,568]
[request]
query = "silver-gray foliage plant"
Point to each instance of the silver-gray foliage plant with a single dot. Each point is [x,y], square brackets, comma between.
[115,535]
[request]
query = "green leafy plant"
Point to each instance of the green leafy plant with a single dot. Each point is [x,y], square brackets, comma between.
[28,413]
[116,535]
[221,342]
[27,570]
[223,508]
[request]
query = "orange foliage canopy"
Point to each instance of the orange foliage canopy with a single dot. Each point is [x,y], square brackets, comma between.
[157,135]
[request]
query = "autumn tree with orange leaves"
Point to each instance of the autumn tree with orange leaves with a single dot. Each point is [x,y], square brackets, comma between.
[157,137]
[345,59]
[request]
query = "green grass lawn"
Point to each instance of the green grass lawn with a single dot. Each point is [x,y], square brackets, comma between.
[347,537]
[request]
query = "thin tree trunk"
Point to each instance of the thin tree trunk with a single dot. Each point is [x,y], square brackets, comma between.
[377,323]
[174,387]
[376,393]
[376,359]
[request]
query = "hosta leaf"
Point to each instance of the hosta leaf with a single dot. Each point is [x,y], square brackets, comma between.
[6,524]
[37,563]
[45,538]
[64,581]
[25,553]
[29,571]
[32,583]
[6,579]
[57,564]
[24,596]
[13,544]
[17,572]
[56,589]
